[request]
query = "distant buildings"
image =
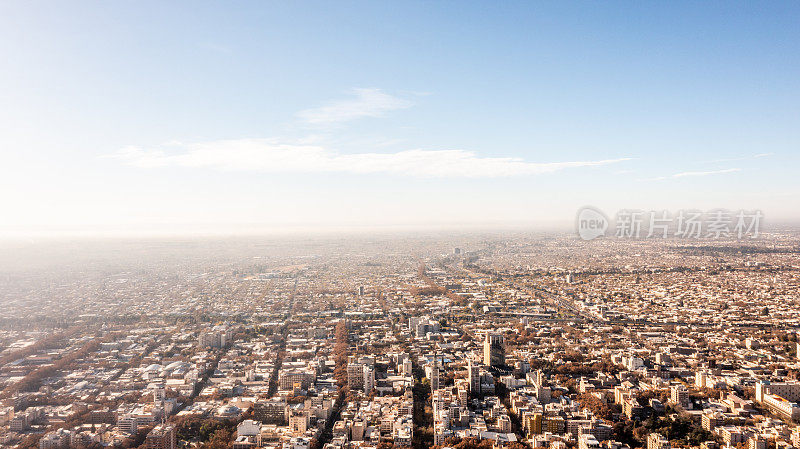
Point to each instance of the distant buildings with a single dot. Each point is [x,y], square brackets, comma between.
[635,364]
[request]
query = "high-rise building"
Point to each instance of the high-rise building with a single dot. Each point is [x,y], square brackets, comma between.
[756,442]
[553,424]
[679,395]
[161,437]
[128,424]
[288,379]
[539,378]
[504,423]
[298,422]
[494,351]
[711,421]
[474,377]
[355,376]
[369,379]
[427,325]
[216,337]
[159,395]
[534,423]
[787,390]
[700,378]
[657,441]
[435,375]
[463,396]
[543,394]
[407,367]
[357,430]
[272,411]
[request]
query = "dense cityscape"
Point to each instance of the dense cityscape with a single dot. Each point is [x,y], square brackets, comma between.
[494,340]
[372,224]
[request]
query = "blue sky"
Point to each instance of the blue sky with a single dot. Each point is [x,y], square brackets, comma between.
[151,116]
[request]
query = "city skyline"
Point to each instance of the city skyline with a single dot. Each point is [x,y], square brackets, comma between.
[399,225]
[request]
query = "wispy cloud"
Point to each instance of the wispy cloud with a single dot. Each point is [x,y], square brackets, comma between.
[690,174]
[705,173]
[366,103]
[741,158]
[271,156]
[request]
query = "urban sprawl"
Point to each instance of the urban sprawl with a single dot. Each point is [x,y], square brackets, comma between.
[474,341]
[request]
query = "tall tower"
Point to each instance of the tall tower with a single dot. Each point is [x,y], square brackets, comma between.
[435,374]
[474,376]
[369,379]
[494,351]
